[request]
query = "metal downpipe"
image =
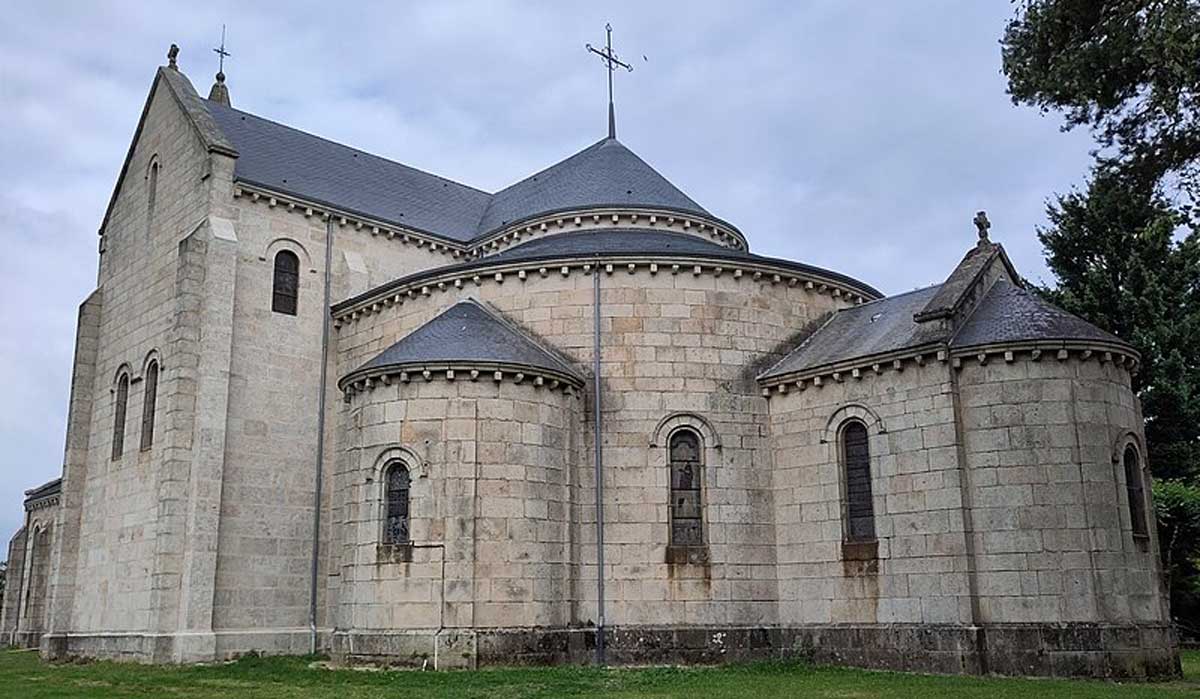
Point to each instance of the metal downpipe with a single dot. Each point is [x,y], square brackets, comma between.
[324,381]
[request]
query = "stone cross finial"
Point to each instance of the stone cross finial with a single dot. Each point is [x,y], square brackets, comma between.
[172,54]
[982,224]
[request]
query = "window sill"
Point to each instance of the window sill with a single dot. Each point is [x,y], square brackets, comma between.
[860,550]
[687,555]
[394,553]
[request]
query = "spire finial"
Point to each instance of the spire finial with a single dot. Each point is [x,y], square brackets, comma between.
[982,224]
[220,93]
[611,61]
[172,54]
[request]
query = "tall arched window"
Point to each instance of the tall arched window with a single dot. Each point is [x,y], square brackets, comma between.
[856,457]
[687,521]
[396,486]
[1135,490]
[118,438]
[151,194]
[149,402]
[287,283]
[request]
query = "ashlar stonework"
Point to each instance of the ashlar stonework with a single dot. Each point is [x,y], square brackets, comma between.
[448,336]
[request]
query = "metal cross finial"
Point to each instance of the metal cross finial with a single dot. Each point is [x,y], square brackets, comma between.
[222,53]
[982,224]
[611,61]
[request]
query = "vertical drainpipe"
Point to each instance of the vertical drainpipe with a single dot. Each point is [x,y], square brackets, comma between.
[596,422]
[316,528]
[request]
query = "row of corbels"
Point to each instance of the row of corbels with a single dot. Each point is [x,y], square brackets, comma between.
[397,297]
[528,377]
[402,236]
[1009,356]
[615,218]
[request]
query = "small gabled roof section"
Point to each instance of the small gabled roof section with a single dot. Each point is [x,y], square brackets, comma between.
[954,292]
[211,137]
[468,333]
[48,491]
[1009,313]
[603,174]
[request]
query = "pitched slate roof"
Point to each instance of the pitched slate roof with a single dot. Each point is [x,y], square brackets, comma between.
[1009,313]
[605,173]
[293,162]
[468,332]
[615,241]
[872,328]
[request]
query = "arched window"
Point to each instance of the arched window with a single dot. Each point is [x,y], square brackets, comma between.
[687,521]
[1135,490]
[118,439]
[148,404]
[395,526]
[856,457]
[287,283]
[151,194]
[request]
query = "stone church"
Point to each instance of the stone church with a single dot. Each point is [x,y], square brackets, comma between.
[325,401]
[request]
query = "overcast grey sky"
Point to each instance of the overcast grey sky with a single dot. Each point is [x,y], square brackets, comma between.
[860,136]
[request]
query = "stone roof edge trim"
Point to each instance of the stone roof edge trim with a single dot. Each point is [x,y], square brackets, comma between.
[872,362]
[273,197]
[721,230]
[1036,350]
[424,283]
[211,136]
[361,380]
[43,496]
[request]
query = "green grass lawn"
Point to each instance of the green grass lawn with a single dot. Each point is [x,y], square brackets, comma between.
[23,676]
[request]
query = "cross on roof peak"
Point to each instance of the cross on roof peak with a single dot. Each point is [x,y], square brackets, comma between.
[611,61]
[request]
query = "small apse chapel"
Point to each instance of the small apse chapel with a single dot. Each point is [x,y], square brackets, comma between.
[322,400]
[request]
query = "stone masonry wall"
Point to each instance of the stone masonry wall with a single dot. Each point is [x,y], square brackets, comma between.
[490,496]
[118,503]
[1043,444]
[672,343]
[920,573]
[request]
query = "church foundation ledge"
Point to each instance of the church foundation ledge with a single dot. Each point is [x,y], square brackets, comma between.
[182,647]
[1045,650]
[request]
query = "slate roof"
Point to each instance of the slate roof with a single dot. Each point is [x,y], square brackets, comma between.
[614,241]
[1009,313]
[605,173]
[468,332]
[962,278]
[872,328]
[293,162]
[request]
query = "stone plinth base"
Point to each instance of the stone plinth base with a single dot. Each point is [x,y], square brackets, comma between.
[1046,650]
[187,647]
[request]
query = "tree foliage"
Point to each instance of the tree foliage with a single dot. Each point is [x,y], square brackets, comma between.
[1125,251]
[1129,69]
[1177,507]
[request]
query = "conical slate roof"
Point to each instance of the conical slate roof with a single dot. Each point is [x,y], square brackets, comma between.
[468,333]
[1009,313]
[603,174]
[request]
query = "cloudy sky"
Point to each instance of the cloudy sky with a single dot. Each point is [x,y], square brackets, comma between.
[860,136]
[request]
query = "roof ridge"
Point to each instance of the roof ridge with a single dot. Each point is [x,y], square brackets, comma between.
[348,147]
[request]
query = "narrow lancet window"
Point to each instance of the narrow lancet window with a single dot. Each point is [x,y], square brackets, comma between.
[1135,490]
[118,438]
[396,486]
[687,523]
[151,196]
[287,283]
[860,511]
[149,403]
